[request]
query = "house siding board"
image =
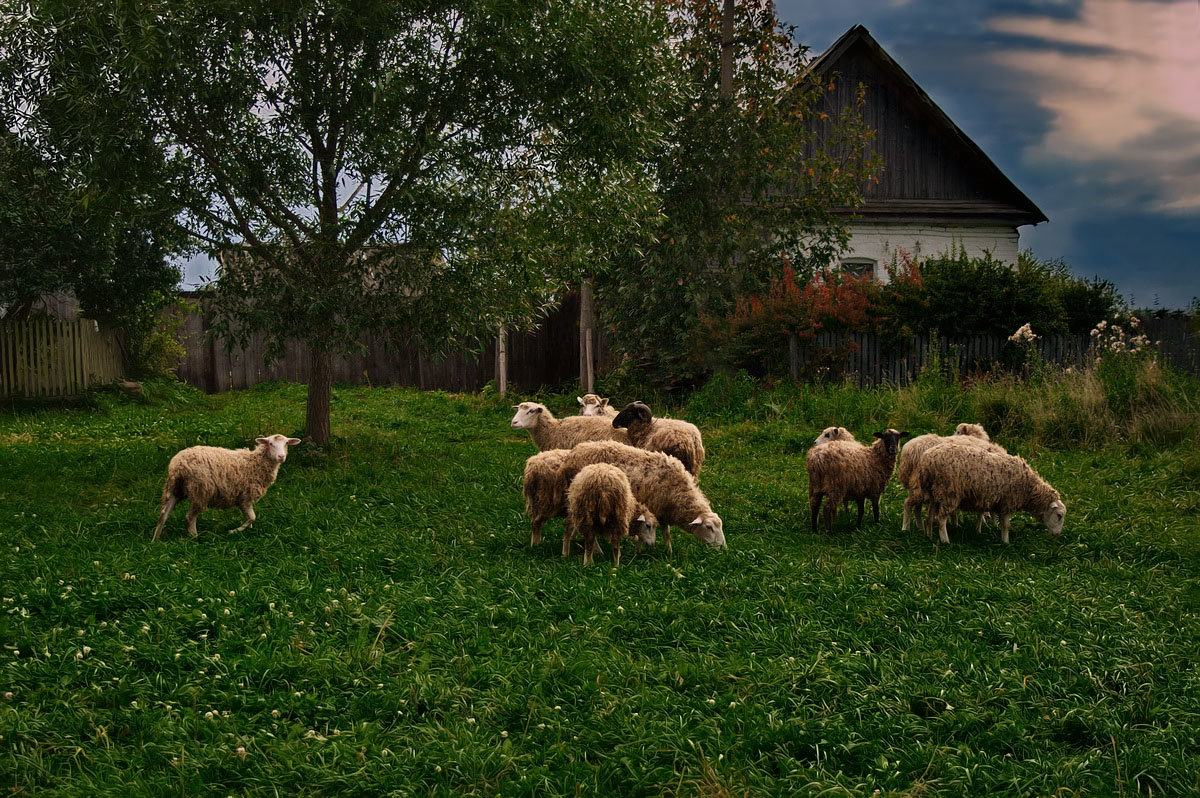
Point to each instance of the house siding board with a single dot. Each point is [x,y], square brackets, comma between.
[881,242]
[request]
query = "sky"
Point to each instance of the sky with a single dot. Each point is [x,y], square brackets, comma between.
[1092,107]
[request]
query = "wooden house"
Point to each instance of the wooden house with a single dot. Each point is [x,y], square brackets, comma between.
[938,189]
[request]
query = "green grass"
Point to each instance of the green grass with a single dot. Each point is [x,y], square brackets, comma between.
[386,627]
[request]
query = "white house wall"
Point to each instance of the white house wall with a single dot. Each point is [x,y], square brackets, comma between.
[881,242]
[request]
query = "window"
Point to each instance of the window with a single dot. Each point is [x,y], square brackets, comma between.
[858,267]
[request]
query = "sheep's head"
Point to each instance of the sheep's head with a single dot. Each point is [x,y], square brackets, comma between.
[708,527]
[644,527]
[1053,517]
[592,404]
[833,434]
[529,414]
[891,440]
[276,446]
[973,430]
[633,413]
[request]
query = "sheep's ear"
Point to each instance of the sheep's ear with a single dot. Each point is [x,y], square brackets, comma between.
[262,440]
[877,434]
[642,518]
[579,399]
[292,441]
[698,522]
[904,435]
[604,403]
[536,409]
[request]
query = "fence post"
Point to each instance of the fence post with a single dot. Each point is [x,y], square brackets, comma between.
[502,361]
[587,324]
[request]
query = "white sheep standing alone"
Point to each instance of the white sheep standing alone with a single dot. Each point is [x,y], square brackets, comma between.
[212,477]
[840,471]
[549,432]
[599,503]
[593,405]
[952,478]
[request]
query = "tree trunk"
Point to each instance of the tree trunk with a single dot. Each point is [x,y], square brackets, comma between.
[320,381]
[727,50]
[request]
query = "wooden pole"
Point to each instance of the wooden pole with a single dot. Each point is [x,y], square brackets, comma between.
[502,361]
[727,43]
[587,324]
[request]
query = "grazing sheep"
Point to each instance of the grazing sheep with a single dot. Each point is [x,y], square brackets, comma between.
[952,478]
[549,432]
[846,470]
[834,434]
[910,459]
[209,476]
[599,502]
[545,493]
[593,405]
[667,435]
[660,482]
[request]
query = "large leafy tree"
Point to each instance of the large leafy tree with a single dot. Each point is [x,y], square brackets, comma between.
[363,165]
[757,173]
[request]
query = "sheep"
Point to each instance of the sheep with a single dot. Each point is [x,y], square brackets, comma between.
[910,458]
[209,476]
[668,435]
[545,493]
[842,470]
[660,482]
[599,502]
[834,434]
[549,432]
[952,478]
[593,405]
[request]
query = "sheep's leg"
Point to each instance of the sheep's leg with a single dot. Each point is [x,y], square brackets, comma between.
[875,508]
[167,506]
[830,513]
[1004,527]
[858,523]
[666,530]
[943,536]
[248,514]
[568,533]
[535,536]
[616,547]
[979,524]
[814,507]
[192,514]
[589,545]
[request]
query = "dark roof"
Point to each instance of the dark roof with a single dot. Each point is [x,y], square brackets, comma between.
[931,168]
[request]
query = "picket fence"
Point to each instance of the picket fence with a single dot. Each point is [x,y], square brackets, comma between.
[56,358]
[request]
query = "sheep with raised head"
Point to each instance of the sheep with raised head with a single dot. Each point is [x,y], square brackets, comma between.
[660,482]
[914,449]
[952,478]
[549,432]
[213,477]
[545,492]
[834,434]
[671,436]
[599,503]
[592,405]
[840,471]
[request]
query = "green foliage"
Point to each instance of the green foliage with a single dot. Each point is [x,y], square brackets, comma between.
[385,623]
[153,344]
[745,183]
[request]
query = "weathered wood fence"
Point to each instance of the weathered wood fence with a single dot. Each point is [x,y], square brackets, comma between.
[548,355]
[866,360]
[52,357]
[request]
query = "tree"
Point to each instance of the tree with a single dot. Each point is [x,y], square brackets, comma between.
[751,178]
[374,165]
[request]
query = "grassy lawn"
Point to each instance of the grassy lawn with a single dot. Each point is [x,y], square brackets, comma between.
[386,627]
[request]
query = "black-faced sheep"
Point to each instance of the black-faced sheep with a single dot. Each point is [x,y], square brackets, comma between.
[914,449]
[593,405]
[841,471]
[667,435]
[599,503]
[209,476]
[660,482]
[952,478]
[549,432]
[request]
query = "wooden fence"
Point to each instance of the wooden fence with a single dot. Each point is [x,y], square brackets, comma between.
[52,357]
[546,356]
[866,360]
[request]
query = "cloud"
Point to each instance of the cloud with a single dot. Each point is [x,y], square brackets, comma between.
[1120,83]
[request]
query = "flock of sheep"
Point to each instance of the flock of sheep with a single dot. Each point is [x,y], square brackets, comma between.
[619,475]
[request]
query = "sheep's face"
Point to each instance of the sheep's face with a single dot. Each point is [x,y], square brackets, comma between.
[591,405]
[633,413]
[973,430]
[708,527]
[833,434]
[277,446]
[645,528]
[1054,517]
[891,440]
[528,415]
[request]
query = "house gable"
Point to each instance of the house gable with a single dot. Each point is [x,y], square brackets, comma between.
[931,170]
